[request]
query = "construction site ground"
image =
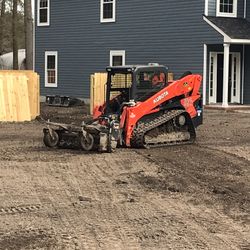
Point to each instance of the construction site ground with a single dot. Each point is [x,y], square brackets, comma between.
[182,197]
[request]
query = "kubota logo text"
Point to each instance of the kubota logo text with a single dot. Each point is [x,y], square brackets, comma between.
[160,97]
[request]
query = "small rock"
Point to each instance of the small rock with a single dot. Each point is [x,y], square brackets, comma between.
[132,200]
[84,199]
[120,182]
[173,189]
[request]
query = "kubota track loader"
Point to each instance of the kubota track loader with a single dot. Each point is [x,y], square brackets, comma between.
[142,110]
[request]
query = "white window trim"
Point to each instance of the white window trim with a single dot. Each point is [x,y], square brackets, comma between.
[38,14]
[107,20]
[206,8]
[118,53]
[222,14]
[51,53]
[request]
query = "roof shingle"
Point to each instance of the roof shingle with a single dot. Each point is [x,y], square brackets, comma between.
[235,28]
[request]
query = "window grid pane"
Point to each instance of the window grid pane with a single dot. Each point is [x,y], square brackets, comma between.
[51,76]
[51,62]
[235,77]
[43,11]
[212,77]
[51,69]
[108,9]
[117,61]
[43,16]
[226,6]
[43,3]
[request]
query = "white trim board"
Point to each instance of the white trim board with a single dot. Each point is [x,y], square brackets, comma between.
[205,75]
[243,74]
[206,8]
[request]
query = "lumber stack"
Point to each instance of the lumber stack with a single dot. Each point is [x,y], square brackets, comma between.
[19,96]
[98,89]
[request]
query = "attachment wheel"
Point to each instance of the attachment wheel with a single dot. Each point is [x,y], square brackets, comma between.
[50,138]
[87,142]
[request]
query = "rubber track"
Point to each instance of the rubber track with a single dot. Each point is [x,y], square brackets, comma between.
[137,139]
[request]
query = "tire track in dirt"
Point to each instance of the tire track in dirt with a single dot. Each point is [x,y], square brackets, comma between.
[20,209]
[121,200]
[234,234]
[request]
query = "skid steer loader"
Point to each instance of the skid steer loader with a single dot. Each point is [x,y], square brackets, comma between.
[142,110]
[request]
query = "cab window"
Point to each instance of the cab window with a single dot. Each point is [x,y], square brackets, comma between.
[150,79]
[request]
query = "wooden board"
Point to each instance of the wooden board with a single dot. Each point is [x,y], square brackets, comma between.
[2,101]
[20,95]
[97,90]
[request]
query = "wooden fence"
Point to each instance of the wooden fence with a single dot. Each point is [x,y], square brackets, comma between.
[19,96]
[98,89]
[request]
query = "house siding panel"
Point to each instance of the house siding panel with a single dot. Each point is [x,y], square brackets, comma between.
[168,32]
[248,11]
[212,7]
[240,8]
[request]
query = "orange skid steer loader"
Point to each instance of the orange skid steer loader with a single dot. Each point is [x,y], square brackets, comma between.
[142,110]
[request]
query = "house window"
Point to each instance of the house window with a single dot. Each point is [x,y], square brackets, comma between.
[117,57]
[51,59]
[108,8]
[227,8]
[43,12]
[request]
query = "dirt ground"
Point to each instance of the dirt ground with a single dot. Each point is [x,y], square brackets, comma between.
[185,197]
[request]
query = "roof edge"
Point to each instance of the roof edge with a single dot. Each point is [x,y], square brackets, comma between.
[227,39]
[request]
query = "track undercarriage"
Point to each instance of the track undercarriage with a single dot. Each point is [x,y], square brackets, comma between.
[171,128]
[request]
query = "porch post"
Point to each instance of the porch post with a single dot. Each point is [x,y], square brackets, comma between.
[226,74]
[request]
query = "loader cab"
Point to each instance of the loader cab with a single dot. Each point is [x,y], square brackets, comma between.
[148,81]
[136,83]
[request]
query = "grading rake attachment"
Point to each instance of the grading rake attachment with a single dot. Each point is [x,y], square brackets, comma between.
[87,137]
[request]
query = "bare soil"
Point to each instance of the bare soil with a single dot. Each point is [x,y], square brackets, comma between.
[185,197]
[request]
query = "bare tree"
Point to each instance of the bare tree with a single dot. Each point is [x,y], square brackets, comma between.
[15,35]
[2,4]
[28,34]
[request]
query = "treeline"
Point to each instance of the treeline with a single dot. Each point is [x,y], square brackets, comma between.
[16,29]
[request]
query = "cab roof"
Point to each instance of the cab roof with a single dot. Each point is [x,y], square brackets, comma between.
[132,68]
